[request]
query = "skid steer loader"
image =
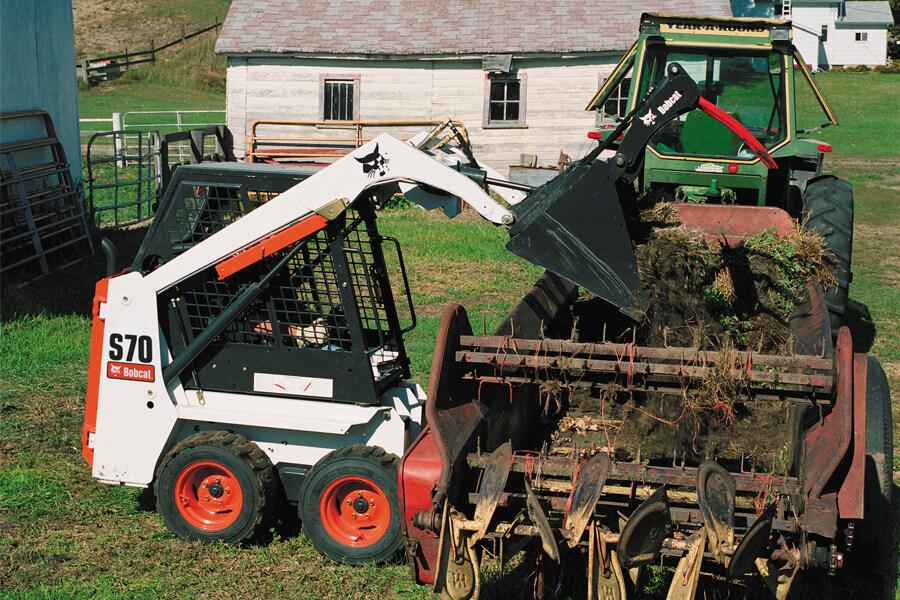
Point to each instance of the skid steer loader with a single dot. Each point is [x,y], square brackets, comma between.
[254,345]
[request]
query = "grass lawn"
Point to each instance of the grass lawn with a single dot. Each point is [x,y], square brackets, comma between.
[866,106]
[67,536]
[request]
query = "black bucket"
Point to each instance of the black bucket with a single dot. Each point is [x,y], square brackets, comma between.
[574,226]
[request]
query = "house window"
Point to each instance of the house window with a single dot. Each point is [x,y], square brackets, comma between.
[824,36]
[614,107]
[504,101]
[862,36]
[339,98]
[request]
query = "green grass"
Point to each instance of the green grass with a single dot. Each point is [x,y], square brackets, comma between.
[192,79]
[866,108]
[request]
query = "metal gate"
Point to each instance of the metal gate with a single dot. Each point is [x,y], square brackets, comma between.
[123,188]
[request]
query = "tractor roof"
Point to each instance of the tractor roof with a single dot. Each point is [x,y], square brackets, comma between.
[741,30]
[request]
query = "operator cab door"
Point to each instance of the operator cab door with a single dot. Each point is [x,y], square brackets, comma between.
[326,327]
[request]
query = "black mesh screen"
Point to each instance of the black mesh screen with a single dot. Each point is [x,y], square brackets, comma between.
[200,211]
[302,307]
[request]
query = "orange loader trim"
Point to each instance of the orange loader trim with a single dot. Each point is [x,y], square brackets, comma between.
[98,326]
[270,245]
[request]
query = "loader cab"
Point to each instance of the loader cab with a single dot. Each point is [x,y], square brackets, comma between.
[324,328]
[748,68]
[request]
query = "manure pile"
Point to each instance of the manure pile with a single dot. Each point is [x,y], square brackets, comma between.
[708,296]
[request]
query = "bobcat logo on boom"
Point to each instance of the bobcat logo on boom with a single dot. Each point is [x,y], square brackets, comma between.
[374,164]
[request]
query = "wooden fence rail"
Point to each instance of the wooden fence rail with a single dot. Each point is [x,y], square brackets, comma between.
[104,68]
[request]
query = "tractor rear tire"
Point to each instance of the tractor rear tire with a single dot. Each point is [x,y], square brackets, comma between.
[215,486]
[879,455]
[828,211]
[349,505]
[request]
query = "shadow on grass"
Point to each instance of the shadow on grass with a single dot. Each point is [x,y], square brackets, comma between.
[70,290]
[862,326]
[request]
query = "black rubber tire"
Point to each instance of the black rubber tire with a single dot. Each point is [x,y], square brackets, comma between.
[364,463]
[828,211]
[252,471]
[879,455]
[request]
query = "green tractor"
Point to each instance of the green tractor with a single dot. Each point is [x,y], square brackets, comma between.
[750,69]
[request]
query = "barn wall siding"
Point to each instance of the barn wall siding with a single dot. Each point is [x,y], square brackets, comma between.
[557,91]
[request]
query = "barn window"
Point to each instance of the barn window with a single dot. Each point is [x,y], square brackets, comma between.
[824,36]
[861,37]
[339,98]
[504,101]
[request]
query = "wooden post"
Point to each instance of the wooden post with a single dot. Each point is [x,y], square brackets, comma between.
[182,36]
[152,51]
[126,60]
[84,72]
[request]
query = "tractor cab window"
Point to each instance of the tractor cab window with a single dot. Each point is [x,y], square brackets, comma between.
[748,86]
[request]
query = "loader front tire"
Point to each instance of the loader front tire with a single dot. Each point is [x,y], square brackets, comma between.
[215,486]
[349,505]
[828,211]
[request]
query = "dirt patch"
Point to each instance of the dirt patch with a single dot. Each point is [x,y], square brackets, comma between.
[102,27]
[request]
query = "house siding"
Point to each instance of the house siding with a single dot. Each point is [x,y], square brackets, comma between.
[813,17]
[557,90]
[871,52]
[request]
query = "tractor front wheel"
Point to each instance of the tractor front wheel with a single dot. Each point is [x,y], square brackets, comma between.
[349,505]
[828,211]
[215,486]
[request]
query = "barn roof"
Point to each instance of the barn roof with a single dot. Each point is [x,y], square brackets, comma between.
[441,27]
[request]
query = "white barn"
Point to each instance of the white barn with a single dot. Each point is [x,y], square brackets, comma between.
[517,74]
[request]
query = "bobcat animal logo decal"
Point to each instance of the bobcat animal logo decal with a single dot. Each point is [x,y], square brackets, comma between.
[374,164]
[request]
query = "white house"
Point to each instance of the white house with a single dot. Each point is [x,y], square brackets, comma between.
[830,33]
[518,74]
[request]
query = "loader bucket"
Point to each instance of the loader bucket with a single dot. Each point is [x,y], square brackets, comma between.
[574,226]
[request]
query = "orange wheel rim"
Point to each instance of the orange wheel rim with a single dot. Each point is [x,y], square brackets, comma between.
[208,496]
[354,511]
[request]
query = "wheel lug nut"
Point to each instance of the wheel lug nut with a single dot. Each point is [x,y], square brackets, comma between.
[349,503]
[353,515]
[207,497]
[368,516]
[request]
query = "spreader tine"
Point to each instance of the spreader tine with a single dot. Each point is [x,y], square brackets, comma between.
[687,573]
[492,484]
[589,485]
[642,537]
[778,580]
[537,516]
[715,495]
[755,541]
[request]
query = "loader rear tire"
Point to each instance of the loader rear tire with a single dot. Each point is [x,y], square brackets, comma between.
[828,211]
[349,505]
[215,486]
